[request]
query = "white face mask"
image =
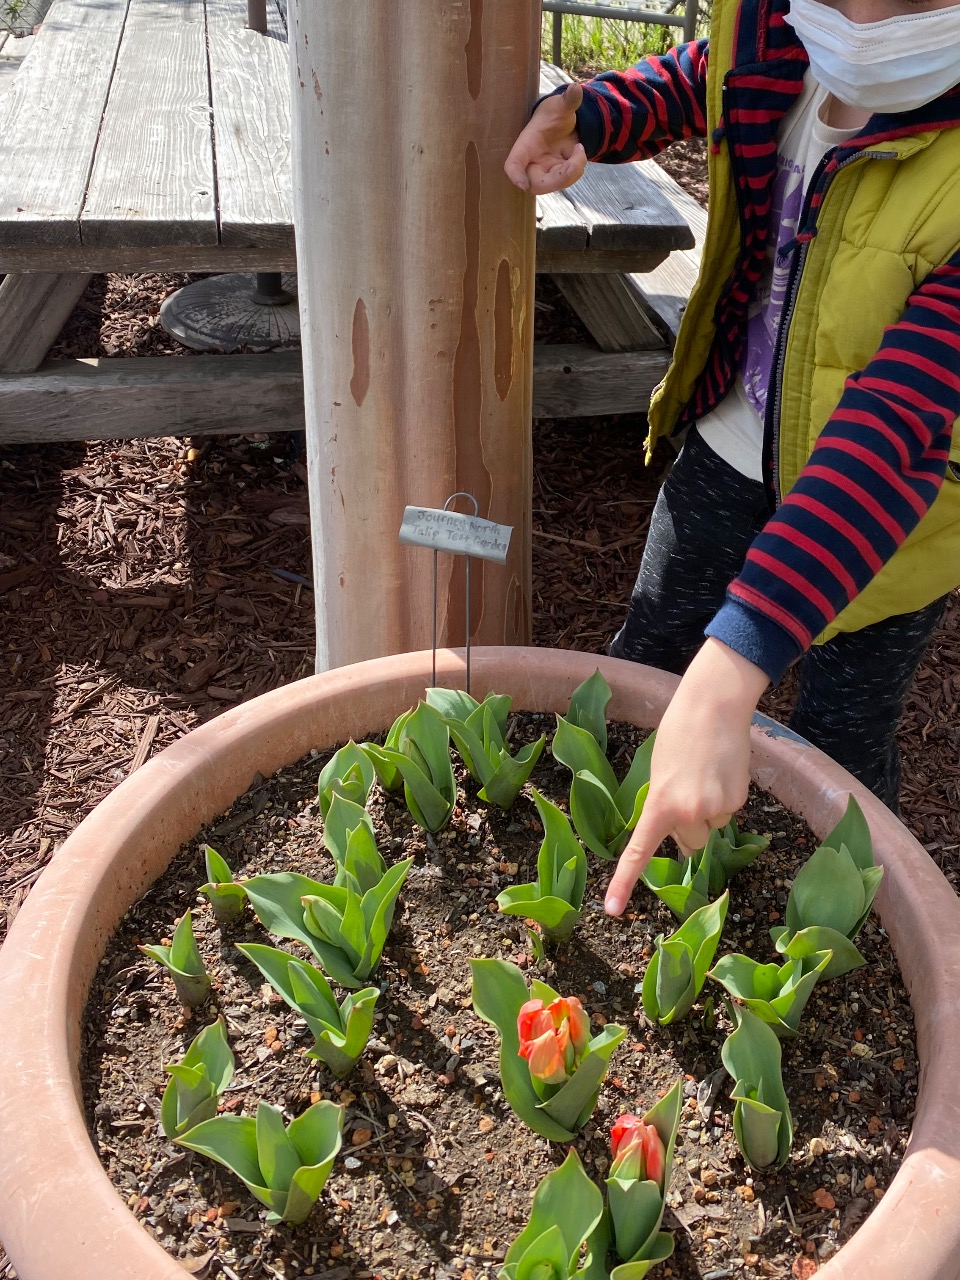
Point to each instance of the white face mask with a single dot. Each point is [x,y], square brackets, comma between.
[893,65]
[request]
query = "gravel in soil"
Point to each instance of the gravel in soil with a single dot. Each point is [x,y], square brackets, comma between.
[436,1174]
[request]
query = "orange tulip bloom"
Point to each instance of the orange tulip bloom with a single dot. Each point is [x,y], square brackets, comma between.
[553,1038]
[638,1152]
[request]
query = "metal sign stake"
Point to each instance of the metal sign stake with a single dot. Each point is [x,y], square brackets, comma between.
[445,529]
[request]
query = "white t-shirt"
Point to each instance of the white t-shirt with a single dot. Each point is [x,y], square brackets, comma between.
[734,429]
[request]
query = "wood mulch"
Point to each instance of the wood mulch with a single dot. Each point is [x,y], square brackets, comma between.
[149,585]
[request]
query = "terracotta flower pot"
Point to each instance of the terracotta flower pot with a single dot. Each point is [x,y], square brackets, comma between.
[60,1217]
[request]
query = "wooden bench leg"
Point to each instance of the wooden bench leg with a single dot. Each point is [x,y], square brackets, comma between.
[33,310]
[609,309]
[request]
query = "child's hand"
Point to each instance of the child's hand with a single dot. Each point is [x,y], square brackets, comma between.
[548,155]
[700,770]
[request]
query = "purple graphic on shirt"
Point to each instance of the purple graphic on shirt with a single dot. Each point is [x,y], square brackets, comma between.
[756,367]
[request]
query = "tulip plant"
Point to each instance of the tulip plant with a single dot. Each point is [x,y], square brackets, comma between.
[344,926]
[550,1068]
[226,895]
[604,811]
[642,1149]
[284,1167]
[832,895]
[183,962]
[679,964]
[777,994]
[340,1032]
[682,884]
[567,1210]
[686,884]
[555,899]
[478,729]
[349,773]
[732,850]
[197,1081]
[762,1123]
[418,752]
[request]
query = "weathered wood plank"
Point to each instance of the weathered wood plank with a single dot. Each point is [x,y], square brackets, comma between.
[134,258]
[662,293]
[49,120]
[621,204]
[608,307]
[155,396]
[153,178]
[33,310]
[635,259]
[580,381]
[560,228]
[249,79]
[616,203]
[223,395]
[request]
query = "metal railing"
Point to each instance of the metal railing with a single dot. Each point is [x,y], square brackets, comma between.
[668,17]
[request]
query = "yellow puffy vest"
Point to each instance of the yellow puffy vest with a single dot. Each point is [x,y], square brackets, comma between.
[883,226]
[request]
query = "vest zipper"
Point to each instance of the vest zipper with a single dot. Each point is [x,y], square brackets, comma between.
[771,425]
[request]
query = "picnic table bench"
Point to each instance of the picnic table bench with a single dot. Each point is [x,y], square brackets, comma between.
[154,135]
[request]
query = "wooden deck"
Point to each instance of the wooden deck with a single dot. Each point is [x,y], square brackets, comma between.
[170,149]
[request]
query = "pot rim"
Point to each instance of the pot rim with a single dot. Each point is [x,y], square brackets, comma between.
[58,938]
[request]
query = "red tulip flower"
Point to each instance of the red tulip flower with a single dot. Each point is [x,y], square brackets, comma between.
[553,1038]
[638,1152]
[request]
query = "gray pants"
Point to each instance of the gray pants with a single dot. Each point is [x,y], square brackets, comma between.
[852,689]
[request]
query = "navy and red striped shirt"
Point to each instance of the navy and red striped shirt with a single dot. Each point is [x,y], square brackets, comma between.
[880,461]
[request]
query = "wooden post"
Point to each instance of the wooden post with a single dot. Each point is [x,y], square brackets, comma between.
[415,273]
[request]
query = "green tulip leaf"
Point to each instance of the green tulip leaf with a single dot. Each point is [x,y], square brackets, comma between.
[225,895]
[588,708]
[197,1081]
[668,991]
[638,777]
[752,1056]
[660,1250]
[597,819]
[277,901]
[579,751]
[183,962]
[852,830]
[810,942]
[512,773]
[565,1202]
[348,773]
[827,891]
[756,1128]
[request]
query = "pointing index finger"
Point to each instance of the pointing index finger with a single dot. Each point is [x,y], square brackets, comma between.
[640,848]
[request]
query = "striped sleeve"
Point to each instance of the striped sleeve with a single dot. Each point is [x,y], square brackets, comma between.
[630,115]
[875,471]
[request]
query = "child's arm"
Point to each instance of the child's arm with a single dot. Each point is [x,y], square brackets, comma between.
[700,769]
[632,115]
[876,470]
[621,115]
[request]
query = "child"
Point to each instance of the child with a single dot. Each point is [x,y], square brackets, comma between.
[814,512]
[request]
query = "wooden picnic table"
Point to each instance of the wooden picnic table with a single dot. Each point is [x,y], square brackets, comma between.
[154,135]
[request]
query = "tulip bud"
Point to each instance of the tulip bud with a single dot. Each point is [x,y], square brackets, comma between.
[638,1152]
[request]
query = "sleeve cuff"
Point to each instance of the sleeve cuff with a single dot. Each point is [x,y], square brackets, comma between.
[589,122]
[755,637]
